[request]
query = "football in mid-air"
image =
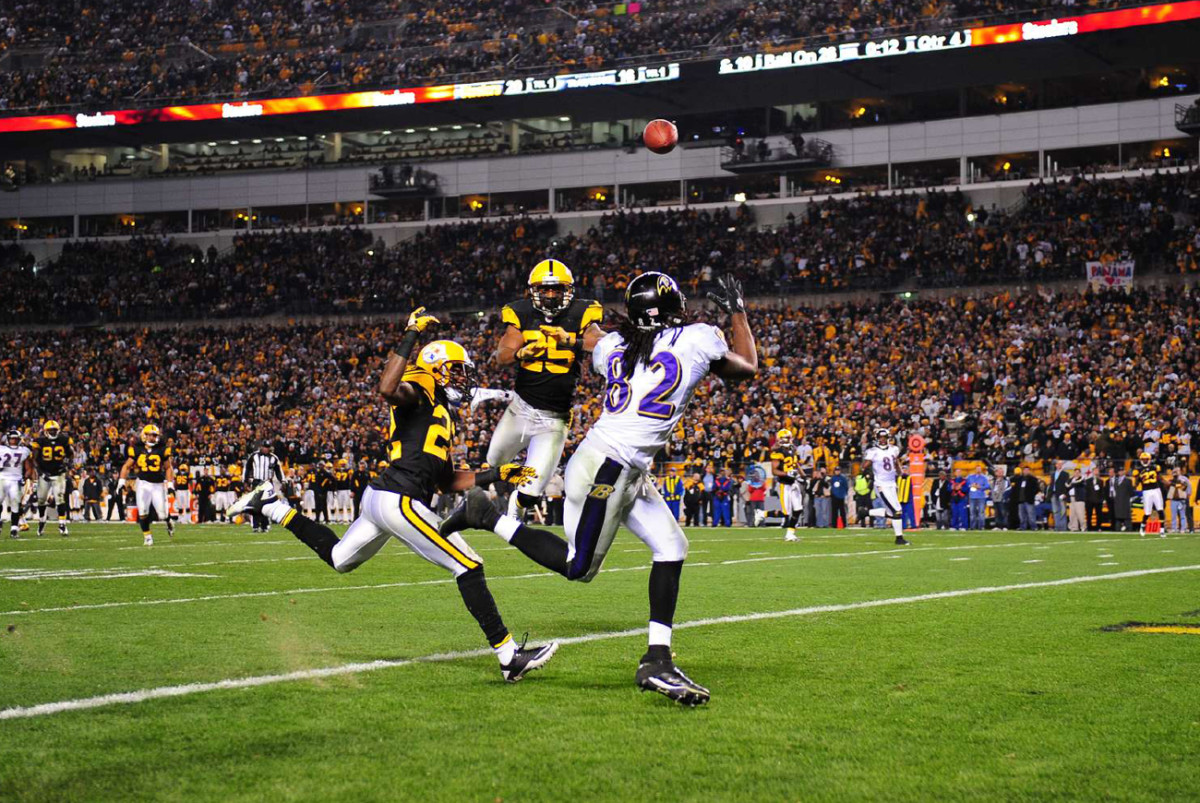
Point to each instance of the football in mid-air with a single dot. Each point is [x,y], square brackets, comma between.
[660,136]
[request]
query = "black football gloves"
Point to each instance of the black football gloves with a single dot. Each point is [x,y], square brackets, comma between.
[730,296]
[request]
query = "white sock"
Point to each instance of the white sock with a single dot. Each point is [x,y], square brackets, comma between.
[791,533]
[660,634]
[506,527]
[506,651]
[277,510]
[898,527]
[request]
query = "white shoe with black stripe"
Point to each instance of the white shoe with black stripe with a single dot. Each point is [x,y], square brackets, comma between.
[525,661]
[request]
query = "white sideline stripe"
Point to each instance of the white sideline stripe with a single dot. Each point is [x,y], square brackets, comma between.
[446,581]
[125,698]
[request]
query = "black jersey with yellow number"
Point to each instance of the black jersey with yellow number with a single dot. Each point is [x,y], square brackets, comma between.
[149,462]
[786,455]
[1149,478]
[51,455]
[548,382]
[419,441]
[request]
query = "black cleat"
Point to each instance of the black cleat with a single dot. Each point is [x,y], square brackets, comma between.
[661,675]
[476,512]
[901,541]
[527,660]
[253,501]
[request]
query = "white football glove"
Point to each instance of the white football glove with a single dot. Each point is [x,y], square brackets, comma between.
[481,395]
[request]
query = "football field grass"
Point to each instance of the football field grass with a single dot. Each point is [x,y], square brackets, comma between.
[968,666]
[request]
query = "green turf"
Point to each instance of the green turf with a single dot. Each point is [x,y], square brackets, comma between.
[1013,695]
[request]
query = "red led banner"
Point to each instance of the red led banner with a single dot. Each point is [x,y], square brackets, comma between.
[1088,23]
[375,99]
[786,57]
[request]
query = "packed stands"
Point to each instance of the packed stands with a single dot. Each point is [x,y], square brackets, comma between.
[76,54]
[1007,377]
[868,242]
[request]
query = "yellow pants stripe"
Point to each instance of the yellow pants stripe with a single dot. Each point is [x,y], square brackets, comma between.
[287,519]
[503,641]
[1179,630]
[429,532]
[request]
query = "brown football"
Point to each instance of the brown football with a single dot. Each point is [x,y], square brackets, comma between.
[660,136]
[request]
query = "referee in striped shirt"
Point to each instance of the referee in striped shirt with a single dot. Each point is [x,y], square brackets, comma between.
[262,466]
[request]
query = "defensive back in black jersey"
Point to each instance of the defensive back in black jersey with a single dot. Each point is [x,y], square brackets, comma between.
[419,442]
[548,381]
[51,454]
[150,462]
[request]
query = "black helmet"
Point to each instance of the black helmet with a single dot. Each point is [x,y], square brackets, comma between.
[654,301]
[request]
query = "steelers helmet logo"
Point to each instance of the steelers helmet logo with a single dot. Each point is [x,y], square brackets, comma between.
[434,353]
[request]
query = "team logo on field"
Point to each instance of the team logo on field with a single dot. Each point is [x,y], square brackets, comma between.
[601,491]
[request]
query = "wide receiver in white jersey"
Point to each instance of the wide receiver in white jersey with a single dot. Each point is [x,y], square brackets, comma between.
[16,476]
[652,367]
[884,458]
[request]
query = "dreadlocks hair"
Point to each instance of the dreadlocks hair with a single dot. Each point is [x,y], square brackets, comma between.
[638,344]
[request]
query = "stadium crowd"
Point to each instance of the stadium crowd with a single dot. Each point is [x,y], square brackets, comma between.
[843,243]
[146,52]
[1007,378]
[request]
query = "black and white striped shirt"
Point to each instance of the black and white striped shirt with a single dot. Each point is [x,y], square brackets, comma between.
[261,467]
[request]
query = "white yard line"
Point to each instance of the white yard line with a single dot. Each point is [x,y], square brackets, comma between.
[447,581]
[160,692]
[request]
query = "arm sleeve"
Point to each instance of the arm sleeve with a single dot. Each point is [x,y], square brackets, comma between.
[277,469]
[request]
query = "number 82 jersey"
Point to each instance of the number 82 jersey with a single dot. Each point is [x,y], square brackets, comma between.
[642,405]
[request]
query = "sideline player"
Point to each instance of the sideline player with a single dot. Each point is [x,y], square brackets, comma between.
[16,475]
[150,459]
[545,336]
[1148,476]
[396,504]
[652,367]
[51,453]
[784,467]
[884,458]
